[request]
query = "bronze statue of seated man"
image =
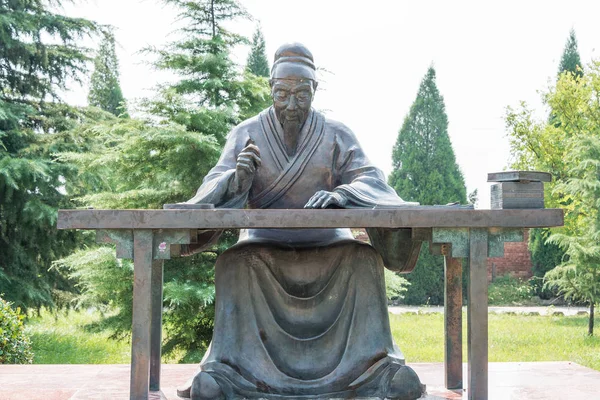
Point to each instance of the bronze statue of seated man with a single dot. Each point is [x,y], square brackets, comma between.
[301,314]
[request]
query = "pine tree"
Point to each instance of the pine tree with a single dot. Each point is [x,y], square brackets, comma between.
[105,89]
[139,164]
[570,60]
[39,54]
[211,96]
[425,170]
[578,278]
[257,59]
[144,164]
[209,77]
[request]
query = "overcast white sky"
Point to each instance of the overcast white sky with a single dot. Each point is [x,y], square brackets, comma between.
[487,55]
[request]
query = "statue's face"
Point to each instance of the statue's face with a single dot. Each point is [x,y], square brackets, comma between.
[292,99]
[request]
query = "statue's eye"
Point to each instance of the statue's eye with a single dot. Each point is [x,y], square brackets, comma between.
[303,95]
[281,95]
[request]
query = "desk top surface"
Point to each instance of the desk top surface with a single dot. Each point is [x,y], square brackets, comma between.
[416,217]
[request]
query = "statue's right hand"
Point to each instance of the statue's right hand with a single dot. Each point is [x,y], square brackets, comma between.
[247,162]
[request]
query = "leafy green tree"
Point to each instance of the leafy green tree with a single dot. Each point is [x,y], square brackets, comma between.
[545,255]
[145,164]
[209,77]
[139,164]
[578,278]
[258,63]
[541,147]
[425,170]
[211,95]
[568,146]
[105,89]
[39,54]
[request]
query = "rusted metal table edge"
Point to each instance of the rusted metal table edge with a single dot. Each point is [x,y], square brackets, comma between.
[298,218]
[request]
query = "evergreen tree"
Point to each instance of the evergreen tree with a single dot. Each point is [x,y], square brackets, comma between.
[425,170]
[257,59]
[140,164]
[144,164]
[105,89]
[578,278]
[39,53]
[211,96]
[572,154]
[570,60]
[209,77]
[546,255]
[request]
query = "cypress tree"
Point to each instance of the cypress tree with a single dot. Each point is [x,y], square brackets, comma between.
[105,89]
[257,63]
[39,54]
[425,170]
[570,60]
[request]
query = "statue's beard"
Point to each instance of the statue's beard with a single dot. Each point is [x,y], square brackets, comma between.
[292,122]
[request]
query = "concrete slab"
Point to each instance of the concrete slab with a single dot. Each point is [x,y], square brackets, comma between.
[507,381]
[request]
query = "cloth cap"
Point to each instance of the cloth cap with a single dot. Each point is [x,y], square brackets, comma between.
[293,60]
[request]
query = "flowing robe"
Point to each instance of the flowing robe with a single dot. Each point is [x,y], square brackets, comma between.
[301,313]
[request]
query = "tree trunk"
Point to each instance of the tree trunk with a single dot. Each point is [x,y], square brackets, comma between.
[212,15]
[591,322]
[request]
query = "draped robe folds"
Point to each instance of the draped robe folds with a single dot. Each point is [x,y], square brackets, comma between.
[301,313]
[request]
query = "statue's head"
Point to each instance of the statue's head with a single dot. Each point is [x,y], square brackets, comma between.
[293,84]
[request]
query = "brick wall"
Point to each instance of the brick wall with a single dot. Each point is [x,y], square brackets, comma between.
[516,261]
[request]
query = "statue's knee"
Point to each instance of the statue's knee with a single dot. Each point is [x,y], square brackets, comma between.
[405,385]
[205,387]
[362,257]
[236,259]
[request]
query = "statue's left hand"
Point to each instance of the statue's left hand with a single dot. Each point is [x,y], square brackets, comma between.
[323,199]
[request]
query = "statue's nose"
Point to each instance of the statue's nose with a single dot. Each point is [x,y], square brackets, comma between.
[292,103]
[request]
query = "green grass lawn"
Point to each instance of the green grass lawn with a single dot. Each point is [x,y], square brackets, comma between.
[511,338]
[64,340]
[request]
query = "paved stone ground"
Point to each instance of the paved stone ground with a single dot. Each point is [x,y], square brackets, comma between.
[507,381]
[542,310]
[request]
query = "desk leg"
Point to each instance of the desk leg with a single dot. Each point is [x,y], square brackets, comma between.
[156,325]
[142,303]
[453,322]
[477,316]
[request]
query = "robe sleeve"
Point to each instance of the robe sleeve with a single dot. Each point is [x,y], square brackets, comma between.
[218,186]
[357,178]
[364,186]
[218,189]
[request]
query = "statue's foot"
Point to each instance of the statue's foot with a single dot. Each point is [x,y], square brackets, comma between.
[185,391]
[205,387]
[405,385]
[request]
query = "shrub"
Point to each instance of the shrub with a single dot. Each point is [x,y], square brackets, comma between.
[15,346]
[395,285]
[507,290]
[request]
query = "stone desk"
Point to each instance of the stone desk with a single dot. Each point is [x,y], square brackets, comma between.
[150,236]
